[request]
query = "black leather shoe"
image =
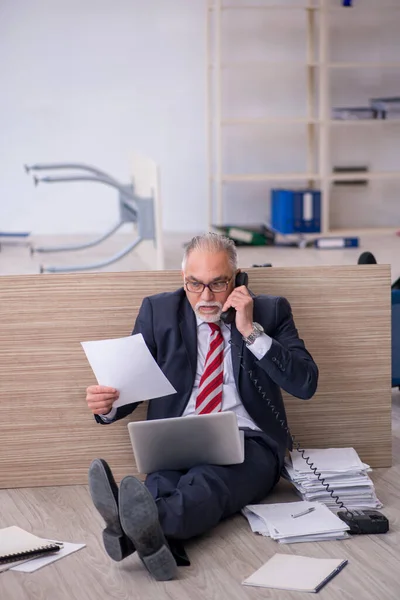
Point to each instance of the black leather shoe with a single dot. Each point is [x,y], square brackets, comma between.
[104,493]
[139,519]
[178,552]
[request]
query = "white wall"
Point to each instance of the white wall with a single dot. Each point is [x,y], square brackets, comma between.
[92,81]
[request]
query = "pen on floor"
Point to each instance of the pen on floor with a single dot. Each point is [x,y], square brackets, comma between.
[305,512]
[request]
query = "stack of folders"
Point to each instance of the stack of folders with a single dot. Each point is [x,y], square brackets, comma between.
[341,468]
[353,113]
[387,108]
[291,522]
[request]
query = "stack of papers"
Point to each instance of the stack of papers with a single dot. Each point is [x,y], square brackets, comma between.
[283,523]
[342,469]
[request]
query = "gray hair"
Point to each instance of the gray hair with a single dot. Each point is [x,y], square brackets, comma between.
[212,242]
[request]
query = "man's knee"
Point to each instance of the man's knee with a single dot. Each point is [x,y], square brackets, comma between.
[162,483]
[206,480]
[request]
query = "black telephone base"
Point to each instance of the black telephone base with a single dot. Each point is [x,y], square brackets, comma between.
[365,521]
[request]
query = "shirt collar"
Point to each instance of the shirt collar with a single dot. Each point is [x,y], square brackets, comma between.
[201,322]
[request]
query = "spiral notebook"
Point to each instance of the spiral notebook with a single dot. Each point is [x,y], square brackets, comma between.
[296,573]
[16,544]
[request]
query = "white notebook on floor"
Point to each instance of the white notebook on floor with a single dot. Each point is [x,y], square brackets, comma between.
[296,573]
[16,544]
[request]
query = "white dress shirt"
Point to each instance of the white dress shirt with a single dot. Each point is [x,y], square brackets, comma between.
[230,396]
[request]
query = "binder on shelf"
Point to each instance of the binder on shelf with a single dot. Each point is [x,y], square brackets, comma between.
[296,211]
[386,107]
[350,170]
[385,103]
[12,234]
[357,113]
[330,243]
[248,235]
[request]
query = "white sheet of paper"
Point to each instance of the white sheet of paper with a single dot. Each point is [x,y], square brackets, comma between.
[257,524]
[127,365]
[281,524]
[42,561]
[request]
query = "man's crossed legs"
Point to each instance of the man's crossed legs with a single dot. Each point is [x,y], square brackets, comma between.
[177,505]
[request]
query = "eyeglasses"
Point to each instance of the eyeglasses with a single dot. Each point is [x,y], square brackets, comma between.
[196,287]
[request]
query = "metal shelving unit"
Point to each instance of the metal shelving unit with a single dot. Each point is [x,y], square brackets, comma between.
[318,122]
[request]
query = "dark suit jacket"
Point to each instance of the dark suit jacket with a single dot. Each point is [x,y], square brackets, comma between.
[168,325]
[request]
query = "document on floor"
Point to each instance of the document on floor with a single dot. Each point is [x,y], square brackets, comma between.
[18,545]
[292,522]
[296,573]
[127,365]
[37,563]
[23,551]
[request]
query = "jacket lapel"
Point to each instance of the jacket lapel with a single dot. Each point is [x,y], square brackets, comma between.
[236,350]
[188,327]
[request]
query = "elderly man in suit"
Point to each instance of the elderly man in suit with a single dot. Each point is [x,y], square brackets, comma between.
[190,343]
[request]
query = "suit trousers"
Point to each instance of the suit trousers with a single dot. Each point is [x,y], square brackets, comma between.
[193,501]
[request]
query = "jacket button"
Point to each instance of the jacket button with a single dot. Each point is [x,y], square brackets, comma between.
[273,359]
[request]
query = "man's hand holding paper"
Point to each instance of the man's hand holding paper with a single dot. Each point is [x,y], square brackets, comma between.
[100,398]
[126,371]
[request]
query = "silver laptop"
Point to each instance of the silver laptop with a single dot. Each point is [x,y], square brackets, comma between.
[184,442]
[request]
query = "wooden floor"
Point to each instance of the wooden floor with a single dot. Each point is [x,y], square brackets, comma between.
[220,560]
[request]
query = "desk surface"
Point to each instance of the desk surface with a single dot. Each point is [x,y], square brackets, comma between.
[220,560]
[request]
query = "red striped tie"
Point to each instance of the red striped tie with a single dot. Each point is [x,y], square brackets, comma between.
[209,398]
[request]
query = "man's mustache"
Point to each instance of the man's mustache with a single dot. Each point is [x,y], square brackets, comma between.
[209,304]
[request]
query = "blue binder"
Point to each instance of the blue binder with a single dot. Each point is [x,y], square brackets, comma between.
[296,211]
[330,243]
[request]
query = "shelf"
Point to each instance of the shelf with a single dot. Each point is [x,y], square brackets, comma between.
[365,65]
[354,231]
[317,65]
[271,177]
[365,9]
[271,7]
[316,176]
[271,121]
[305,121]
[331,9]
[362,122]
[369,176]
[267,64]
[308,65]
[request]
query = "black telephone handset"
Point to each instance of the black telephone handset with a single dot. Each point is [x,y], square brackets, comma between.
[228,316]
